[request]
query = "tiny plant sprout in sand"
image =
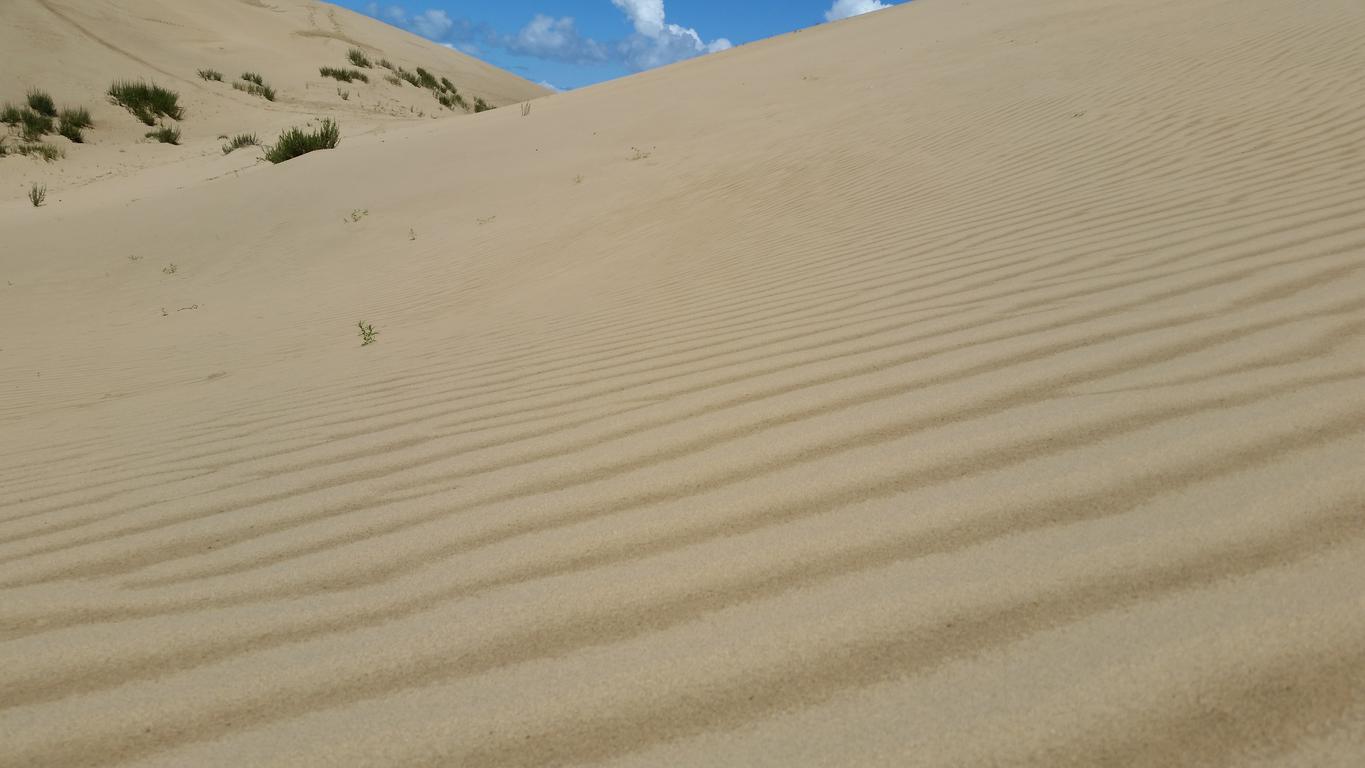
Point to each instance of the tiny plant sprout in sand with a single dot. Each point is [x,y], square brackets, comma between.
[367,333]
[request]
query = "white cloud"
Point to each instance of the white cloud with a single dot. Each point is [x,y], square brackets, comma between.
[432,24]
[842,9]
[550,38]
[550,85]
[655,41]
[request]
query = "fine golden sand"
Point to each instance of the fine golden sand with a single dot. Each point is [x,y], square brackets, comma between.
[964,384]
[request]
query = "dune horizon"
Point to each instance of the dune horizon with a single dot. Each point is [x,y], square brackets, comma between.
[964,384]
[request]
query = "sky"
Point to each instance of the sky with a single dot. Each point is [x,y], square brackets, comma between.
[566,44]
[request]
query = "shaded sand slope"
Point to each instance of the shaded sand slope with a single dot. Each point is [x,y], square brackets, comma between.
[964,384]
[74,50]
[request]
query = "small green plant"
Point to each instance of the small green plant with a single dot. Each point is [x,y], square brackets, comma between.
[393,79]
[295,142]
[480,105]
[33,125]
[47,152]
[146,101]
[37,194]
[10,115]
[170,269]
[211,74]
[367,333]
[344,75]
[252,77]
[41,102]
[165,134]
[410,77]
[239,141]
[72,121]
[358,58]
[358,214]
[385,63]
[255,89]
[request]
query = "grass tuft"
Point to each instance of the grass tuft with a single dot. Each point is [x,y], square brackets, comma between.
[295,142]
[146,101]
[480,105]
[37,194]
[410,77]
[344,75]
[252,77]
[427,80]
[33,126]
[47,152]
[41,102]
[11,115]
[358,58]
[165,134]
[256,89]
[446,85]
[211,74]
[394,79]
[239,141]
[385,63]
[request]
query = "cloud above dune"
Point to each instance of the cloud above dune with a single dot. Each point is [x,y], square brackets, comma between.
[653,41]
[842,9]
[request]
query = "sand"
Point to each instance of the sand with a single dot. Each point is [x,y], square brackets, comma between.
[961,384]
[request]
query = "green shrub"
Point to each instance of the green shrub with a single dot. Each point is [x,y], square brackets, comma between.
[480,105]
[33,126]
[295,142]
[37,194]
[146,101]
[165,134]
[252,77]
[211,74]
[344,75]
[358,58]
[10,115]
[41,102]
[241,140]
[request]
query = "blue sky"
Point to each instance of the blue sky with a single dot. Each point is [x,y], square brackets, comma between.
[572,43]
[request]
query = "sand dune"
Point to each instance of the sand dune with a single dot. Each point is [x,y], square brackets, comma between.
[75,49]
[962,384]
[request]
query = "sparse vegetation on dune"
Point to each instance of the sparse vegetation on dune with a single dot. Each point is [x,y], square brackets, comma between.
[410,77]
[446,85]
[33,126]
[41,102]
[211,74]
[393,79]
[295,142]
[10,115]
[37,194]
[358,58]
[72,121]
[480,105]
[239,141]
[264,91]
[367,333]
[427,80]
[344,75]
[146,101]
[252,77]
[165,134]
[47,152]
[385,63]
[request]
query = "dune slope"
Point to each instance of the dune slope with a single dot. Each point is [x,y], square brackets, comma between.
[75,49]
[961,384]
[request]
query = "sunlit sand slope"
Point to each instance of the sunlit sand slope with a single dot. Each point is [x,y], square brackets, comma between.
[963,384]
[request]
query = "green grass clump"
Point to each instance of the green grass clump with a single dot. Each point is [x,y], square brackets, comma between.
[211,74]
[239,141]
[393,79]
[256,89]
[72,121]
[10,115]
[410,77]
[295,142]
[33,126]
[165,134]
[37,194]
[358,58]
[446,85]
[385,63]
[45,151]
[427,80]
[146,101]
[480,105]
[41,102]
[252,77]
[344,75]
